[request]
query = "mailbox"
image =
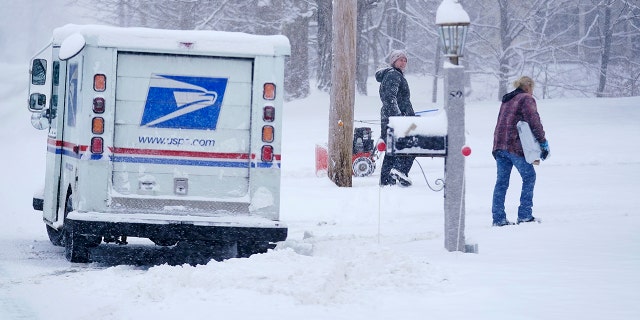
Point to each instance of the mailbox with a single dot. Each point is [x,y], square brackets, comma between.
[420,136]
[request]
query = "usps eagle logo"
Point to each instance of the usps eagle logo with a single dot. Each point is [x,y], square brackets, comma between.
[183,102]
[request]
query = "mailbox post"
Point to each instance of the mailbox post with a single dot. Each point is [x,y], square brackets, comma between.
[440,135]
[452,21]
[454,185]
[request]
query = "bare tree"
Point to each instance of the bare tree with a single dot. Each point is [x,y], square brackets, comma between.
[618,34]
[520,38]
[589,47]
[607,35]
[397,24]
[289,17]
[324,36]
[362,56]
[297,70]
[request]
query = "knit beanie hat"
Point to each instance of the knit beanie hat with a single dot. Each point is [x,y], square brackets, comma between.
[395,55]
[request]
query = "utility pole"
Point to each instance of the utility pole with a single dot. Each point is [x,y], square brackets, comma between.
[342,91]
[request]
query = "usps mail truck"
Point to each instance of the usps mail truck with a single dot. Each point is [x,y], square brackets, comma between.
[168,135]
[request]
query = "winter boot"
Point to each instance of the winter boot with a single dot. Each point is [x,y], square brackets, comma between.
[401,177]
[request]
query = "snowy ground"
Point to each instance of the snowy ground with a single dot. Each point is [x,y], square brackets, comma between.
[363,252]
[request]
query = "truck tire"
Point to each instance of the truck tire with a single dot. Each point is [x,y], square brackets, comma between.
[55,236]
[75,245]
[76,249]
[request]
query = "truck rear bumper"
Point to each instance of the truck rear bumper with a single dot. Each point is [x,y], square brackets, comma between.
[227,228]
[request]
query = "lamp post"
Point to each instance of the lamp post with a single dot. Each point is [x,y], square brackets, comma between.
[453,22]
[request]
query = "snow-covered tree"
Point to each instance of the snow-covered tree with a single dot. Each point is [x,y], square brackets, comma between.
[289,17]
[582,46]
[323,43]
[618,37]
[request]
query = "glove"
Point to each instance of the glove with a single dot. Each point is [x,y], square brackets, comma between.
[544,154]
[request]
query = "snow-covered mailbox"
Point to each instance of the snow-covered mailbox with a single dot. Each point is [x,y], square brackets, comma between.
[420,136]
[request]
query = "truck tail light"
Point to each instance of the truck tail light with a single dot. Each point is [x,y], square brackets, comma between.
[267,153]
[99,82]
[269,113]
[98,105]
[97,125]
[267,134]
[97,145]
[269,91]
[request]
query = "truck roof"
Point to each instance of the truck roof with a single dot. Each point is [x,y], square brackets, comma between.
[183,41]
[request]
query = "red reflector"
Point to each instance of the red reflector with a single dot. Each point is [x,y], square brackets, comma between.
[269,113]
[96,145]
[269,91]
[267,153]
[97,125]
[99,82]
[382,146]
[98,105]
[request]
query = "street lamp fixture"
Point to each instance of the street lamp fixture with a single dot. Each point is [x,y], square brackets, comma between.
[452,22]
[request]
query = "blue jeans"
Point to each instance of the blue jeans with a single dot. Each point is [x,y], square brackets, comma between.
[505,162]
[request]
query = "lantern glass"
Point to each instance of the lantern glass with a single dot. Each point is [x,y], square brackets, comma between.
[453,37]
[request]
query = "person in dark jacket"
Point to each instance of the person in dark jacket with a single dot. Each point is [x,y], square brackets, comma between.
[517,105]
[395,96]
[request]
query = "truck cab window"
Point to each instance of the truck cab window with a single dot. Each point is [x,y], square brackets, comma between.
[56,84]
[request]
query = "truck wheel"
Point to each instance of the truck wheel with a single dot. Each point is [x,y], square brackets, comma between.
[76,248]
[55,236]
[75,245]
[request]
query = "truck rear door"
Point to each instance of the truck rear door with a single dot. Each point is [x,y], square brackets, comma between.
[182,130]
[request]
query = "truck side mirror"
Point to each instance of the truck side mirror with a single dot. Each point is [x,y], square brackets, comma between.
[39,121]
[38,72]
[37,102]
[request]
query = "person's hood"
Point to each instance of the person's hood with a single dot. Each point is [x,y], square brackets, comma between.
[512,94]
[382,72]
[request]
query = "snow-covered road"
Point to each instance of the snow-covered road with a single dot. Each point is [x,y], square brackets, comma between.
[363,252]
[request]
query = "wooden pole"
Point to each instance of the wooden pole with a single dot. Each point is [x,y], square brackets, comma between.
[343,73]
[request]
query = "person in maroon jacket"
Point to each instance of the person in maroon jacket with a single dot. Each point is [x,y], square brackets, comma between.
[517,105]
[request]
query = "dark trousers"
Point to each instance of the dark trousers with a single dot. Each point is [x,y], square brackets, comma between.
[400,163]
